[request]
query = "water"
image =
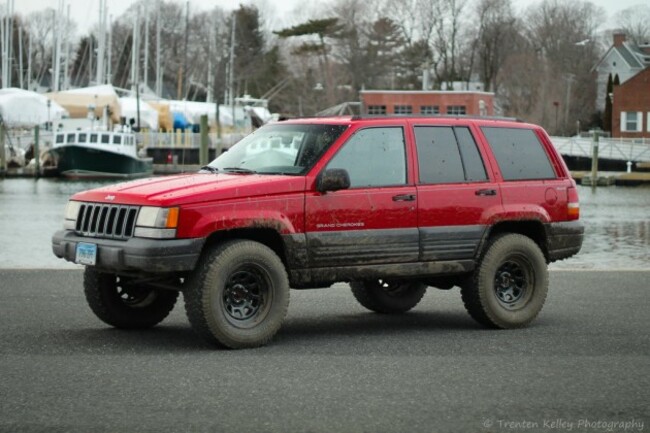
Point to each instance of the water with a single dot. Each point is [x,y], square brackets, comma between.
[617,223]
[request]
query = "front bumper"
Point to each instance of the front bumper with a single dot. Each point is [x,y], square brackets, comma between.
[135,254]
[564,239]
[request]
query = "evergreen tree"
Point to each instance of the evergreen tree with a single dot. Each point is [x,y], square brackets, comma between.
[607,115]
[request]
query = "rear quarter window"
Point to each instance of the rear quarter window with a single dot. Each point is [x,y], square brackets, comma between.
[519,153]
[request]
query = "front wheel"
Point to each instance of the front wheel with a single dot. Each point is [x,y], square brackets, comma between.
[239,295]
[388,297]
[509,287]
[122,303]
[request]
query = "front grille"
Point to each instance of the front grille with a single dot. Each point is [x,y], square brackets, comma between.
[109,221]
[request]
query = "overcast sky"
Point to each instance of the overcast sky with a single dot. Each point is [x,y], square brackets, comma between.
[86,12]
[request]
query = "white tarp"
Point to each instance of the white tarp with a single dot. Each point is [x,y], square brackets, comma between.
[148,115]
[194,110]
[22,108]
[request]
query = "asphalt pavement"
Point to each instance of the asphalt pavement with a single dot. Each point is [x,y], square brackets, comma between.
[583,365]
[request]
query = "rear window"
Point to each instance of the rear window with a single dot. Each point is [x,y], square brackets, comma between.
[519,153]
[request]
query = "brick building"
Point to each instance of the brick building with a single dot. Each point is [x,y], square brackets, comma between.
[631,107]
[458,103]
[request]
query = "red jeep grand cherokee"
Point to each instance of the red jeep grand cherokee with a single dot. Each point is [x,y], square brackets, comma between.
[390,205]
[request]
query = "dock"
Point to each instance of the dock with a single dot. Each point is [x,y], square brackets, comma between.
[606,178]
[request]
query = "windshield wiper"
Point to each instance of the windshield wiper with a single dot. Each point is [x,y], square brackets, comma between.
[209,168]
[239,170]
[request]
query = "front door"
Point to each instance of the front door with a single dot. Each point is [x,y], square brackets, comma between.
[375,220]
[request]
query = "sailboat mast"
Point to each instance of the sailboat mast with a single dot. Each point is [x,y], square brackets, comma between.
[145,66]
[99,78]
[158,71]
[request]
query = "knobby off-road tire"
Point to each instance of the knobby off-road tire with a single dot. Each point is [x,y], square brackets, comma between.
[238,295]
[124,305]
[509,287]
[388,297]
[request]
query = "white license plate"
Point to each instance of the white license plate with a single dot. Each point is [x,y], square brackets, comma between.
[86,254]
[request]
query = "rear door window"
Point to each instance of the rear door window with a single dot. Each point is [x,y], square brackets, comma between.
[519,153]
[448,155]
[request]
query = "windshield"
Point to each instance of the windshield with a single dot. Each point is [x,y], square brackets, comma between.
[279,149]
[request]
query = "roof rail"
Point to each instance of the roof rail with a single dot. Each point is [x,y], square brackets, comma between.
[435,116]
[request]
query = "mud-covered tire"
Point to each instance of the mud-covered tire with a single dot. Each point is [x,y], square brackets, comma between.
[388,297]
[238,295]
[124,305]
[509,287]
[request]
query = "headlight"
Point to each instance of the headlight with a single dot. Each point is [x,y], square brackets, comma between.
[156,222]
[71,213]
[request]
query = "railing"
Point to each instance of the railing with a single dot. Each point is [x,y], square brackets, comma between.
[624,149]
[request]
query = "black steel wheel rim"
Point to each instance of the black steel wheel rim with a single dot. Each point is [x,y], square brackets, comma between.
[134,296]
[246,296]
[513,283]
[392,288]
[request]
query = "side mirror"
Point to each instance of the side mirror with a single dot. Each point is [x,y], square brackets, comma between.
[333,179]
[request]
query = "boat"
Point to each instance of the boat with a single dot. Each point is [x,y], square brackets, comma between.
[95,154]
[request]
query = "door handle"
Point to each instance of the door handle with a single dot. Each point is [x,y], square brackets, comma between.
[485,192]
[404,197]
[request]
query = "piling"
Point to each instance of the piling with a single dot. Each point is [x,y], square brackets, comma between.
[37,153]
[3,160]
[203,151]
[594,161]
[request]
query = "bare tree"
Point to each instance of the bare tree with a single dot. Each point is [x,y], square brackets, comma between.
[495,39]
[635,22]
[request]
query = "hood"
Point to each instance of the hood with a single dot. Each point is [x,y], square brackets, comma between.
[194,188]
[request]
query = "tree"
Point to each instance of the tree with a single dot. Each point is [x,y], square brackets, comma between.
[322,29]
[635,23]
[494,39]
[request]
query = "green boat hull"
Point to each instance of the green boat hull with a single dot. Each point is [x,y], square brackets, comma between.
[83,162]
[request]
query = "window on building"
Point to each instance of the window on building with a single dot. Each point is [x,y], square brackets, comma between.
[403,109]
[373,157]
[456,110]
[376,109]
[429,109]
[647,116]
[631,121]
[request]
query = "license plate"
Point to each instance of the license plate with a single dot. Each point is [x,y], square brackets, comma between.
[86,254]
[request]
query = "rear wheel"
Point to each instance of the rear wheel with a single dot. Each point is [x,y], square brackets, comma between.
[388,297]
[120,302]
[509,287]
[239,295]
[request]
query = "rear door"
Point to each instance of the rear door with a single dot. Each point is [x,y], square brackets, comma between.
[457,198]
[375,220]
[532,186]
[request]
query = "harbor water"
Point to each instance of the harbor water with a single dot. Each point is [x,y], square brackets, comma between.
[617,221]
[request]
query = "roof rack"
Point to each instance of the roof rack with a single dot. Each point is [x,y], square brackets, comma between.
[435,116]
